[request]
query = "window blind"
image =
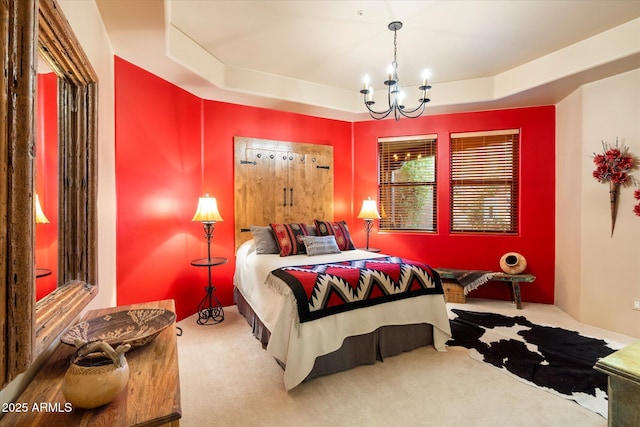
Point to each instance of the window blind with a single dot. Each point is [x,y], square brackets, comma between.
[484,182]
[407,184]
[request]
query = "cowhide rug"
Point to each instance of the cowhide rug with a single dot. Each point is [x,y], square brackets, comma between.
[554,359]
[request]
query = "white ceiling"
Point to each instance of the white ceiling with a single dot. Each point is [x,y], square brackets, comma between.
[311,56]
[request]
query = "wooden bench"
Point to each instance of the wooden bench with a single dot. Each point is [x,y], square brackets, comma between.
[513,280]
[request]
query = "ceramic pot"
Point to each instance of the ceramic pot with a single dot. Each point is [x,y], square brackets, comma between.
[95,378]
[513,263]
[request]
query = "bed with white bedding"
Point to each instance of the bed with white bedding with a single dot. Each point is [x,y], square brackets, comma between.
[330,343]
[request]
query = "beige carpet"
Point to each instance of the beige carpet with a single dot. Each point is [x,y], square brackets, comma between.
[227,379]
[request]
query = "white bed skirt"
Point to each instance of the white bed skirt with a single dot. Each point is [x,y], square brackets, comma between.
[364,349]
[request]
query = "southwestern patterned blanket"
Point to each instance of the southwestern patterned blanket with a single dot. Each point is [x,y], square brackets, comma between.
[324,289]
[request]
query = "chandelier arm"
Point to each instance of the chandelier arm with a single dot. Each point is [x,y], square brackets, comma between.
[419,106]
[377,115]
[410,113]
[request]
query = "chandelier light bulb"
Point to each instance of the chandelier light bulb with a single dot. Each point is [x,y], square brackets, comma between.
[426,75]
[365,82]
[390,75]
[401,99]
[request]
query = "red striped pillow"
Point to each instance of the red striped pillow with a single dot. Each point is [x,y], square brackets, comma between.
[338,229]
[290,238]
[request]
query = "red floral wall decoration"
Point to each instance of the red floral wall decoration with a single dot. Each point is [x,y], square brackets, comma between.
[613,166]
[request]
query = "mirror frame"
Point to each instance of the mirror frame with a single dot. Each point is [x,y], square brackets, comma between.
[29,328]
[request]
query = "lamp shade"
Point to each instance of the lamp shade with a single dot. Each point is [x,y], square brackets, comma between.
[41,218]
[207,210]
[369,210]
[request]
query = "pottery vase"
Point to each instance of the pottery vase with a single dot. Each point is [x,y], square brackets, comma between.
[513,263]
[95,378]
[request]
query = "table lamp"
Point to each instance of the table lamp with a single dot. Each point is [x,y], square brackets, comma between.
[207,213]
[368,213]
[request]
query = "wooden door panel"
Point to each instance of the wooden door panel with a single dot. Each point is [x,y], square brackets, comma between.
[277,181]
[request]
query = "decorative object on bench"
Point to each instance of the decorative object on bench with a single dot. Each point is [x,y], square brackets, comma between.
[513,263]
[454,292]
[134,327]
[556,360]
[96,375]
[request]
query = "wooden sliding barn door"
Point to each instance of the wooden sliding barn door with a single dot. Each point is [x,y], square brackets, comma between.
[281,182]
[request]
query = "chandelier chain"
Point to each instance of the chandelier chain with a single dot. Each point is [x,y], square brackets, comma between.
[395,50]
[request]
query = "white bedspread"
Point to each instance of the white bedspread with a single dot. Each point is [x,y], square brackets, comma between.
[298,344]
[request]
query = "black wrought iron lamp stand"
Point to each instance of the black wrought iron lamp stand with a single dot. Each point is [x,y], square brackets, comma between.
[368,225]
[209,309]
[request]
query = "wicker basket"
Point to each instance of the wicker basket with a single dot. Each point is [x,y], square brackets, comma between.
[453,292]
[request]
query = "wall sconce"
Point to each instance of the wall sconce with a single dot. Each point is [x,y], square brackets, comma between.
[369,212]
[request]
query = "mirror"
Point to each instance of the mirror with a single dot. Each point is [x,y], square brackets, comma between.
[31,27]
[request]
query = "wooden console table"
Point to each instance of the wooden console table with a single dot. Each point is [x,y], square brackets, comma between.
[623,369]
[152,396]
[510,279]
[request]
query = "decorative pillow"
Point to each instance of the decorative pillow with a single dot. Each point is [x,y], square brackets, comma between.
[320,245]
[312,230]
[289,238]
[338,229]
[264,239]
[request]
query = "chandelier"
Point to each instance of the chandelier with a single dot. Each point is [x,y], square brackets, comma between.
[395,96]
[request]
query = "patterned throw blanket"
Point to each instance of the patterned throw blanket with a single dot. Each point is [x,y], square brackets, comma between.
[325,289]
[472,279]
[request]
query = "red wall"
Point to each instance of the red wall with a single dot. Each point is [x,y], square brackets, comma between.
[536,238]
[159,177]
[164,163]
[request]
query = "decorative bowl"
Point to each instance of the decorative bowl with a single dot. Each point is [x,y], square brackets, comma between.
[134,327]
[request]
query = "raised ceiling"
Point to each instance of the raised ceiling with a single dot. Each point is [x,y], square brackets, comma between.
[310,56]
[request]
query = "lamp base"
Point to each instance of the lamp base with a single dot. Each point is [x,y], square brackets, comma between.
[210,310]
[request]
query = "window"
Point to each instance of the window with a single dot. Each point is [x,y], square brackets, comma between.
[484,182]
[407,183]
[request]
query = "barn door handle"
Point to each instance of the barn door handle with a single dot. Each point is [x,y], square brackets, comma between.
[291,201]
[284,203]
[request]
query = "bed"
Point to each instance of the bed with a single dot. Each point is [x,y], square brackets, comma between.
[343,339]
